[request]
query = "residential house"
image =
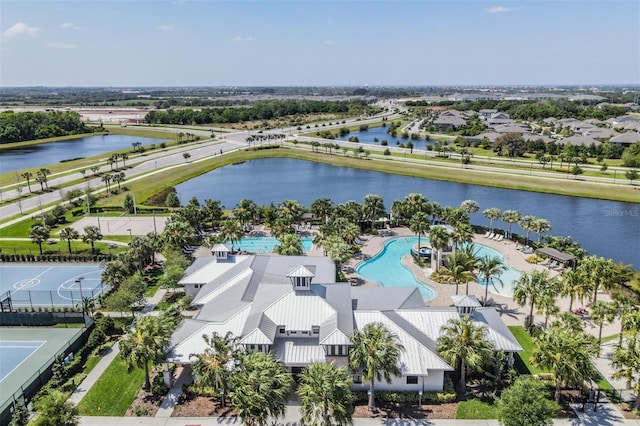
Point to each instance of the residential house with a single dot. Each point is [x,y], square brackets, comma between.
[579,140]
[625,139]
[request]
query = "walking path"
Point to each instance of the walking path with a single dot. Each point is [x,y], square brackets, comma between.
[105,361]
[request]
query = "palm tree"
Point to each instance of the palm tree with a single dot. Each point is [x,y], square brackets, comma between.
[373,208]
[290,245]
[626,361]
[231,230]
[526,223]
[106,178]
[489,267]
[465,344]
[567,354]
[492,214]
[69,234]
[462,233]
[415,203]
[39,234]
[574,285]
[511,217]
[260,388]
[419,225]
[469,206]
[602,312]
[28,175]
[215,365]
[459,270]
[439,240]
[540,226]
[376,351]
[91,235]
[213,210]
[118,178]
[43,176]
[145,343]
[325,395]
[245,211]
[290,211]
[322,208]
[178,233]
[530,287]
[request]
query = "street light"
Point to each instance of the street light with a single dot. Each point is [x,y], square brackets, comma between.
[130,234]
[420,400]
[79,282]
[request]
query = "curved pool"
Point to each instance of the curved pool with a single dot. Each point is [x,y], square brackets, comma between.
[386,268]
[266,244]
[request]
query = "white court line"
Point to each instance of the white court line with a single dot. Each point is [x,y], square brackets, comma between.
[22,362]
[37,276]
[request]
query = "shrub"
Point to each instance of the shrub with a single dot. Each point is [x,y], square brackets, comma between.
[157,386]
[387,152]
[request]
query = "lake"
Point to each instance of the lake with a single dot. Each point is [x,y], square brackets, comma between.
[606,228]
[41,155]
[367,137]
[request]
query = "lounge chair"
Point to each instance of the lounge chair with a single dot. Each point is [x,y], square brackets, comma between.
[495,237]
[500,238]
[487,234]
[491,235]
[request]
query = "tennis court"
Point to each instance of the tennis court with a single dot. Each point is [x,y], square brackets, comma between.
[33,285]
[15,352]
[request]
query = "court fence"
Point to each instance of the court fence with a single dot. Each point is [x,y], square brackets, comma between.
[53,300]
[42,319]
[56,257]
[40,378]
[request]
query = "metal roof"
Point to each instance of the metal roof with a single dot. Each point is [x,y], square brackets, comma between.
[556,254]
[497,331]
[298,352]
[300,271]
[468,300]
[386,298]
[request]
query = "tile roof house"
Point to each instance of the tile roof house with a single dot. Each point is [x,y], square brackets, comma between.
[626,139]
[579,140]
[448,122]
[291,306]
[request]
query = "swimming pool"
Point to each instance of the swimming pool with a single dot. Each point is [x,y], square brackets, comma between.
[266,244]
[386,269]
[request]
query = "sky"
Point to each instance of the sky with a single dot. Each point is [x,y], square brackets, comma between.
[147,43]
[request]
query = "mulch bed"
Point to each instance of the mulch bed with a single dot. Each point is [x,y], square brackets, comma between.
[407,411]
[201,406]
[146,404]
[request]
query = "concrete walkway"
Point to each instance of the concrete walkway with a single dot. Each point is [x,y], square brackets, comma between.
[171,399]
[105,361]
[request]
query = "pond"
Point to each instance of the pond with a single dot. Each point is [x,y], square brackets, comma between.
[369,137]
[41,155]
[606,228]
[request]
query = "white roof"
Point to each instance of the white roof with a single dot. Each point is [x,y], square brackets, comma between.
[299,311]
[195,344]
[298,352]
[301,271]
[210,271]
[416,359]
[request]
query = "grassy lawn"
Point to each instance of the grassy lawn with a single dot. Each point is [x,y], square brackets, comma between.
[476,409]
[527,344]
[114,391]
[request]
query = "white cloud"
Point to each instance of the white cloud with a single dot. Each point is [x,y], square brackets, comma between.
[165,27]
[20,29]
[59,45]
[329,42]
[500,9]
[69,26]
[240,38]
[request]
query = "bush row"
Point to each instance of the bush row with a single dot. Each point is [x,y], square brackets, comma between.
[56,257]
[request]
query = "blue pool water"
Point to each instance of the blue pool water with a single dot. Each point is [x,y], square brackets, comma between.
[386,269]
[266,244]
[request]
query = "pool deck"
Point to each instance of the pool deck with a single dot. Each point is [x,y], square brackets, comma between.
[511,313]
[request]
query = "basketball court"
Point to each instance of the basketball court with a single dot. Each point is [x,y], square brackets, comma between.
[36,285]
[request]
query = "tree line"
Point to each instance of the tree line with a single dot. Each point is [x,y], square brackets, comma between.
[260,110]
[24,126]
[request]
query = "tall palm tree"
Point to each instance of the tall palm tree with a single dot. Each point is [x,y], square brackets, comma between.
[439,239]
[419,225]
[529,288]
[27,175]
[526,223]
[567,354]
[602,312]
[145,343]
[260,388]
[325,395]
[459,270]
[489,267]
[511,217]
[245,211]
[464,344]
[91,235]
[215,365]
[415,203]
[290,245]
[376,351]
[626,362]
[470,206]
[231,230]
[462,233]
[492,214]
[322,208]
[177,233]
[574,285]
[373,208]
[290,212]
[541,226]
[39,234]
[69,234]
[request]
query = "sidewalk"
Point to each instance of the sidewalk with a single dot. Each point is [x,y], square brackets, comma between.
[105,361]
